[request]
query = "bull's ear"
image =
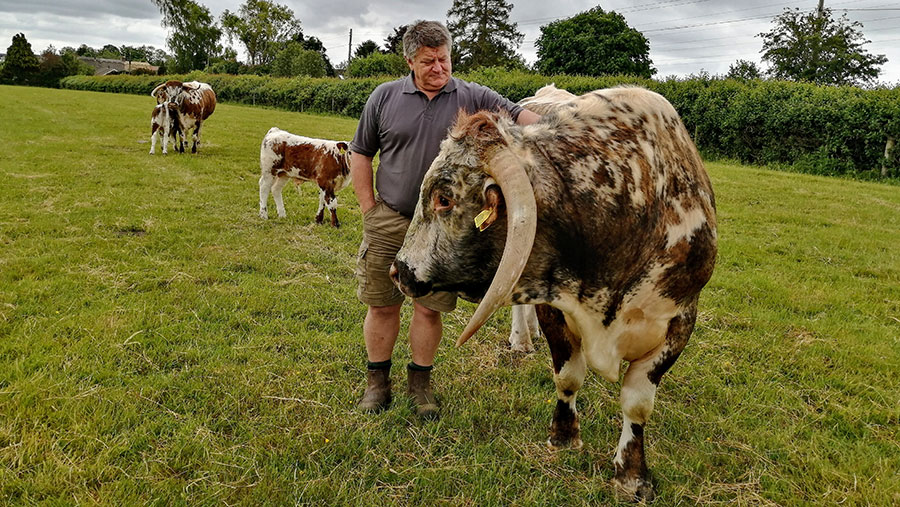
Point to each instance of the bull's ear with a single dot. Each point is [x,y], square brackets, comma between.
[342,146]
[493,205]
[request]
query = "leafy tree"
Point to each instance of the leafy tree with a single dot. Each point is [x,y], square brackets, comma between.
[314,44]
[110,51]
[194,35]
[744,70]
[807,46]
[21,66]
[593,43]
[294,60]
[483,35]
[263,27]
[378,64]
[365,49]
[393,43]
[85,50]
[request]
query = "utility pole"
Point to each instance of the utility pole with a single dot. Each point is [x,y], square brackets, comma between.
[350,47]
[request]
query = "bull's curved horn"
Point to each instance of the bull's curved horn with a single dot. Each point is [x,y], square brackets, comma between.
[521,215]
[156,91]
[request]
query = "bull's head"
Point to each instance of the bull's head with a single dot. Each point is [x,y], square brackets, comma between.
[475,222]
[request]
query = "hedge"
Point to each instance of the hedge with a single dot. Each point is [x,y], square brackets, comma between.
[820,129]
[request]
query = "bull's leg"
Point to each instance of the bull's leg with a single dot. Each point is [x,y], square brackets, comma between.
[165,138]
[632,479]
[265,186]
[568,375]
[525,328]
[279,184]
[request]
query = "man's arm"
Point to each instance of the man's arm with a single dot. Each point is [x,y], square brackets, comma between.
[527,117]
[361,173]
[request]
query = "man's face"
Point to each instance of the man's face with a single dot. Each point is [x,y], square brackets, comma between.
[431,67]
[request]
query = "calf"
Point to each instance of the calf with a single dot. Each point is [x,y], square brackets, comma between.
[164,123]
[284,155]
[195,102]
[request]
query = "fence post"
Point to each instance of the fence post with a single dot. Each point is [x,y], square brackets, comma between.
[888,148]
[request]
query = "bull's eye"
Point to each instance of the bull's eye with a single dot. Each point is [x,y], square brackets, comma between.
[442,204]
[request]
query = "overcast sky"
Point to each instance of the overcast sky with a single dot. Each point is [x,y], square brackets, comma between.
[686,36]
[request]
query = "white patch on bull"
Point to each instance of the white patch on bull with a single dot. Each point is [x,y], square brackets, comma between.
[640,325]
[691,221]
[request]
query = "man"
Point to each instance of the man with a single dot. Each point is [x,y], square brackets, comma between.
[406,120]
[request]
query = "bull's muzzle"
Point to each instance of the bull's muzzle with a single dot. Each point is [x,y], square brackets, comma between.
[405,280]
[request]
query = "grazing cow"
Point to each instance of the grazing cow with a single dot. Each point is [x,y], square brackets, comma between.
[284,155]
[602,214]
[195,102]
[164,123]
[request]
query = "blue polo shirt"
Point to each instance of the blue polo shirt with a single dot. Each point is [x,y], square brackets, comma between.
[407,128]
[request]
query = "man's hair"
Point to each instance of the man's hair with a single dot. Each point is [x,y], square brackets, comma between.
[431,34]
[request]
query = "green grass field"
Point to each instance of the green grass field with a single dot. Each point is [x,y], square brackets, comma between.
[160,343]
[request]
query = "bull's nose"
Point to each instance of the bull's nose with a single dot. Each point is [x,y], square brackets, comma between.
[395,274]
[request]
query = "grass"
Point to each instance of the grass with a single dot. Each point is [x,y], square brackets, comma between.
[159,343]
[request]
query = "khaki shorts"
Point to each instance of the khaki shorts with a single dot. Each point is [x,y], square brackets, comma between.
[383,233]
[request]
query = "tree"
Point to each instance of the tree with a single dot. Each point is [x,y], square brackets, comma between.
[378,64]
[365,49]
[394,43]
[21,66]
[593,43]
[813,46]
[294,60]
[743,70]
[194,36]
[314,44]
[263,27]
[483,35]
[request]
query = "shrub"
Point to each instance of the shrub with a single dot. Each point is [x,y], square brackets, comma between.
[820,129]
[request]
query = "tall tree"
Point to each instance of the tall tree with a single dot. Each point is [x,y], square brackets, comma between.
[365,49]
[393,43]
[593,43]
[743,70]
[483,36]
[194,34]
[21,65]
[263,27]
[814,46]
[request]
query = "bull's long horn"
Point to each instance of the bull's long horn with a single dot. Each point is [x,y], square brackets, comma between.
[521,214]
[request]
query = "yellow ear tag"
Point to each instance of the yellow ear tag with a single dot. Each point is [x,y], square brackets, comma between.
[481,217]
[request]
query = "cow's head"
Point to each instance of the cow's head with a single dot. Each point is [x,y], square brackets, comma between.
[474,225]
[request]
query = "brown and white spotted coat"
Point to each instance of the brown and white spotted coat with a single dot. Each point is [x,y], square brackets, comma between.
[284,156]
[195,102]
[624,228]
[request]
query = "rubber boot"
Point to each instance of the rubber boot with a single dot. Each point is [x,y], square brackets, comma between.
[378,391]
[419,389]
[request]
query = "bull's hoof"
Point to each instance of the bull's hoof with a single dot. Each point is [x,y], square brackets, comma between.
[320,218]
[263,214]
[560,444]
[521,345]
[634,489]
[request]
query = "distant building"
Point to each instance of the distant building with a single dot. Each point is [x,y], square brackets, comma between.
[107,66]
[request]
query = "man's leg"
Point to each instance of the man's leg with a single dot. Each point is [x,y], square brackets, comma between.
[380,330]
[424,337]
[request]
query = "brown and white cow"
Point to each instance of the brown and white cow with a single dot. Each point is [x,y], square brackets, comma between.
[602,214]
[164,123]
[195,102]
[284,156]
